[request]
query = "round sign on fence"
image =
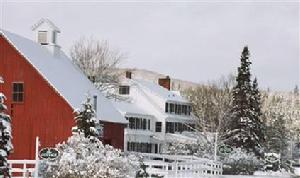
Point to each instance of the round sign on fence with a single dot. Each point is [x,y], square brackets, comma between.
[49,153]
[225,149]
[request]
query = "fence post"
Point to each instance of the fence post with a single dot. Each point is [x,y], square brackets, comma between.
[37,144]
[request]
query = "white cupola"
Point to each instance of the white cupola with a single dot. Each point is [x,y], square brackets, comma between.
[46,35]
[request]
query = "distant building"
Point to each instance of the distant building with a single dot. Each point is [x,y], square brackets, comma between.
[43,88]
[154,113]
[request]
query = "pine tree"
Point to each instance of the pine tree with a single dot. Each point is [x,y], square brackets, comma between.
[277,135]
[5,137]
[256,105]
[243,130]
[86,120]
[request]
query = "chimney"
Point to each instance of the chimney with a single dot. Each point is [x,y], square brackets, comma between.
[46,35]
[128,74]
[165,82]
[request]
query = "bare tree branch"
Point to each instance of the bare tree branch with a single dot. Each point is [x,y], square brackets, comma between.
[99,63]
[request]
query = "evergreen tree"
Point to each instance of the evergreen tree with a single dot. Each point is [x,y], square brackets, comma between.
[244,128]
[277,135]
[86,120]
[277,140]
[256,105]
[5,137]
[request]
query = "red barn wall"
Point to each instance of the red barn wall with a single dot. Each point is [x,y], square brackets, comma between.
[113,134]
[43,113]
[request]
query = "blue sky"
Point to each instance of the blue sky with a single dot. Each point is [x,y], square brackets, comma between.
[191,40]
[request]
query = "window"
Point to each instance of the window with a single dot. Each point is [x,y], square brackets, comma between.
[158,127]
[139,147]
[54,37]
[172,108]
[169,127]
[138,123]
[124,90]
[144,124]
[42,37]
[18,92]
[178,109]
[184,109]
[189,110]
[95,102]
[167,107]
[172,127]
[156,148]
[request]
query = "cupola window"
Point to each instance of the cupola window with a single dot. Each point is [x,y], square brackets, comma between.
[42,37]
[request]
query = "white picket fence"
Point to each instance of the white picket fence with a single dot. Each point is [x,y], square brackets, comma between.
[26,168]
[171,166]
[22,168]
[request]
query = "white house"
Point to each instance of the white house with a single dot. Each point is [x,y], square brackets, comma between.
[155,113]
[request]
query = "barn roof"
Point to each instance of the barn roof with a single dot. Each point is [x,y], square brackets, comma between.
[66,78]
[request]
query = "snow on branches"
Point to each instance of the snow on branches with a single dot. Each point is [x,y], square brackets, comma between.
[5,136]
[84,155]
[86,120]
[79,157]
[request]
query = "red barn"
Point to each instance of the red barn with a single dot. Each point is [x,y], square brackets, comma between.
[43,88]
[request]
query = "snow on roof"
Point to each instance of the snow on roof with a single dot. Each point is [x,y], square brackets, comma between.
[44,20]
[129,108]
[66,78]
[160,91]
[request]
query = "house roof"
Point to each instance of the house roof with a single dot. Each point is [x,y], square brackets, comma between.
[160,91]
[129,108]
[66,78]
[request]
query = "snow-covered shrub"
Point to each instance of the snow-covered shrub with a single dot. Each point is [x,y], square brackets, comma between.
[6,146]
[240,162]
[199,144]
[272,161]
[79,157]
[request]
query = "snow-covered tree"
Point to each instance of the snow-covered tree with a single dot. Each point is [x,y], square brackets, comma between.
[200,144]
[5,136]
[79,157]
[277,136]
[244,127]
[240,162]
[84,155]
[86,120]
[259,126]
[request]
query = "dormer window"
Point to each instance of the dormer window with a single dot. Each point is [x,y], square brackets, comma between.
[124,90]
[42,37]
